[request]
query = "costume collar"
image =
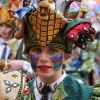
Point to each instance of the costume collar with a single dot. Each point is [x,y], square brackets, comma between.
[2,41]
[53,85]
[9,41]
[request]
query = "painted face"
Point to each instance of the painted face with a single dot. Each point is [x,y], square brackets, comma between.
[46,60]
[34,59]
[57,61]
[55,57]
[6,31]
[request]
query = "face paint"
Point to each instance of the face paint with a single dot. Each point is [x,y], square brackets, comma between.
[6,30]
[10,32]
[34,60]
[57,60]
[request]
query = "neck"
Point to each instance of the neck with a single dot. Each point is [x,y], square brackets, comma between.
[6,39]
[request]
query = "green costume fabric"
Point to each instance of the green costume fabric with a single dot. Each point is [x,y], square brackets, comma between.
[30,40]
[88,63]
[95,94]
[13,43]
[68,89]
[11,24]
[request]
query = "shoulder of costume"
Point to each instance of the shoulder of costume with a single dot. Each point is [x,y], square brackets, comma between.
[76,89]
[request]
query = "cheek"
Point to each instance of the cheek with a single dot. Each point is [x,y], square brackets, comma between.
[9,31]
[34,59]
[6,31]
[1,30]
[57,61]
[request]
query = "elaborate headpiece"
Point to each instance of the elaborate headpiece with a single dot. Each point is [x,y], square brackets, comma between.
[45,26]
[6,18]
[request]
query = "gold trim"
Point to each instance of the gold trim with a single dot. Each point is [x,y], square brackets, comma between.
[59,93]
[21,87]
[5,66]
[44,4]
[43,87]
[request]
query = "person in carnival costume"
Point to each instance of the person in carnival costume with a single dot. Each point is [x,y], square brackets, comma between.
[10,81]
[7,41]
[12,49]
[48,38]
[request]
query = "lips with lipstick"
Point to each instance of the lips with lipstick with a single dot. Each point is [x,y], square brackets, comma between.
[4,33]
[34,59]
[44,67]
[8,33]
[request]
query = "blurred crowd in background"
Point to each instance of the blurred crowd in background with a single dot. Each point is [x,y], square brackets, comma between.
[84,65]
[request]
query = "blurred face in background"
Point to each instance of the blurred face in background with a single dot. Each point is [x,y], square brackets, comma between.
[98,16]
[93,18]
[6,31]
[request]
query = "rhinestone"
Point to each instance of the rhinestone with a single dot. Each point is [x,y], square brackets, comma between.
[71,35]
[6,82]
[86,29]
[8,89]
[88,39]
[26,87]
[82,40]
[15,85]
[83,46]
[5,72]
[83,36]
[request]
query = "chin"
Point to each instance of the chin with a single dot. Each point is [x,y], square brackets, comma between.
[44,75]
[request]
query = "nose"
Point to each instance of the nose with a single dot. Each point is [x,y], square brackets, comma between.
[43,58]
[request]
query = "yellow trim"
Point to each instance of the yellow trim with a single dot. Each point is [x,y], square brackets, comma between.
[59,93]
[84,10]
[51,1]
[45,4]
[5,66]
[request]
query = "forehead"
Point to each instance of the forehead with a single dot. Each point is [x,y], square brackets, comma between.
[46,48]
[4,25]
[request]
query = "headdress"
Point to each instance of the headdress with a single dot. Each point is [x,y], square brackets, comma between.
[45,26]
[6,18]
